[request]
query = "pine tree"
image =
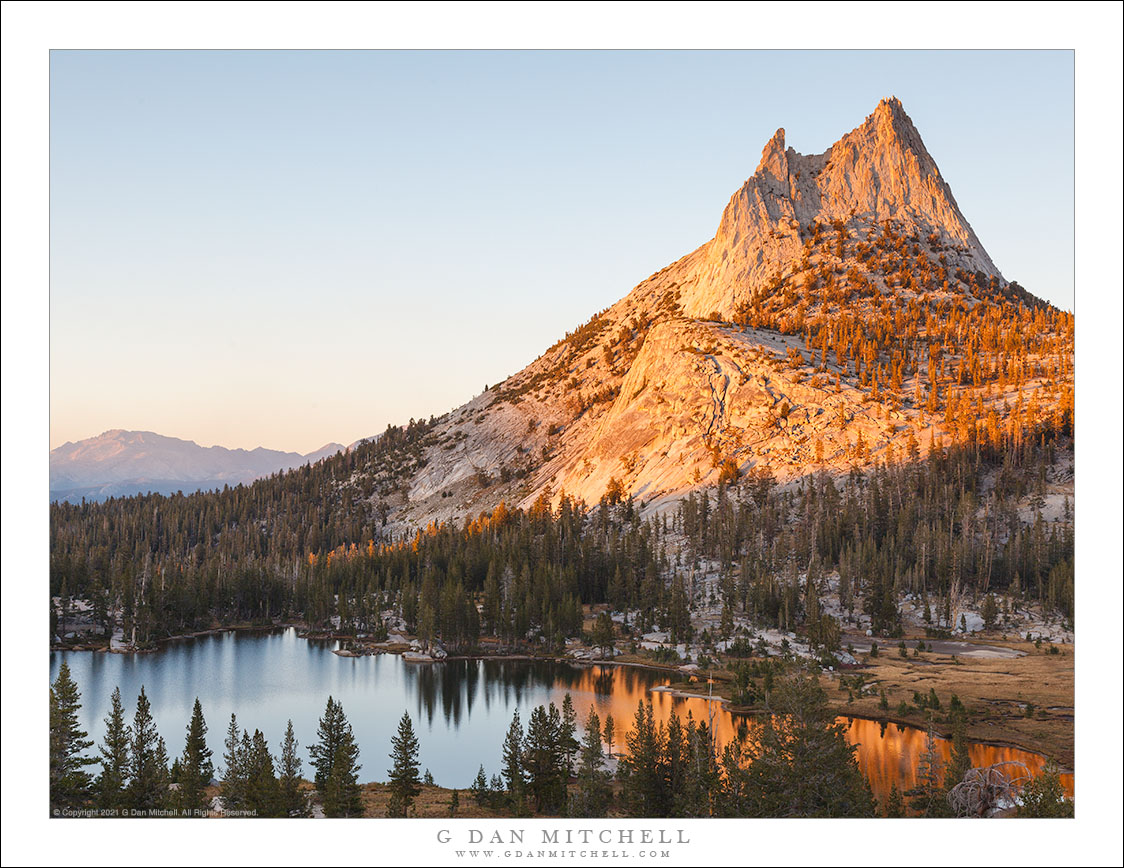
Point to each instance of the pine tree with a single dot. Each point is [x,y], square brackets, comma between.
[543,759]
[335,757]
[480,790]
[70,783]
[162,773]
[675,762]
[610,731]
[895,807]
[701,778]
[567,735]
[593,793]
[513,762]
[194,768]
[263,795]
[989,612]
[114,749]
[928,796]
[642,769]
[802,764]
[960,761]
[292,800]
[343,797]
[148,761]
[404,781]
[234,769]
[333,728]
[603,634]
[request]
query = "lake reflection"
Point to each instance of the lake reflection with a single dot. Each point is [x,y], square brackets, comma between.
[461,709]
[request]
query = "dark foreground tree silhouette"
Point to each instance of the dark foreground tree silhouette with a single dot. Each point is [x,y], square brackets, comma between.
[642,768]
[70,782]
[148,761]
[195,768]
[336,760]
[404,781]
[801,764]
[594,792]
[293,803]
[114,749]
[544,760]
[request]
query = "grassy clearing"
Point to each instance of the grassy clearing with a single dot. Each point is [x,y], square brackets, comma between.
[432,801]
[996,693]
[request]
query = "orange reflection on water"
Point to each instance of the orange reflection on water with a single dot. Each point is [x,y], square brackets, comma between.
[888,754]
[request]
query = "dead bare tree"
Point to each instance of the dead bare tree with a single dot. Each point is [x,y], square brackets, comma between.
[985,790]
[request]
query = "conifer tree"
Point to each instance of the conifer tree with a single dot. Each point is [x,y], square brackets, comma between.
[263,795]
[801,764]
[404,782]
[610,731]
[333,725]
[701,775]
[567,735]
[603,634]
[335,757]
[292,800]
[234,769]
[70,783]
[960,761]
[543,759]
[675,761]
[162,772]
[343,797]
[480,786]
[114,749]
[513,762]
[895,807]
[194,768]
[593,783]
[928,799]
[642,769]
[148,761]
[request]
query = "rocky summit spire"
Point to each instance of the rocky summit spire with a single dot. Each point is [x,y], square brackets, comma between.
[773,168]
[880,171]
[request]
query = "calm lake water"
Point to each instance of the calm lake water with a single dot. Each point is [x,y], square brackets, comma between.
[461,709]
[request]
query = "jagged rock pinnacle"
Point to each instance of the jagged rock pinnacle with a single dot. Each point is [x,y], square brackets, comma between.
[879,171]
[773,169]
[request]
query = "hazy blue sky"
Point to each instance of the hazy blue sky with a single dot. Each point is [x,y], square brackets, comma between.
[286,248]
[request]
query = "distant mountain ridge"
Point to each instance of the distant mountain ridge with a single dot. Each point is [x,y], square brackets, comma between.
[120,463]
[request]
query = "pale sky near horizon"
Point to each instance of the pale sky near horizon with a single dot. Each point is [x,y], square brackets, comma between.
[283,249]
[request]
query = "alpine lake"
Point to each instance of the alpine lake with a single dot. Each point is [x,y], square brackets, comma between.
[461,709]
